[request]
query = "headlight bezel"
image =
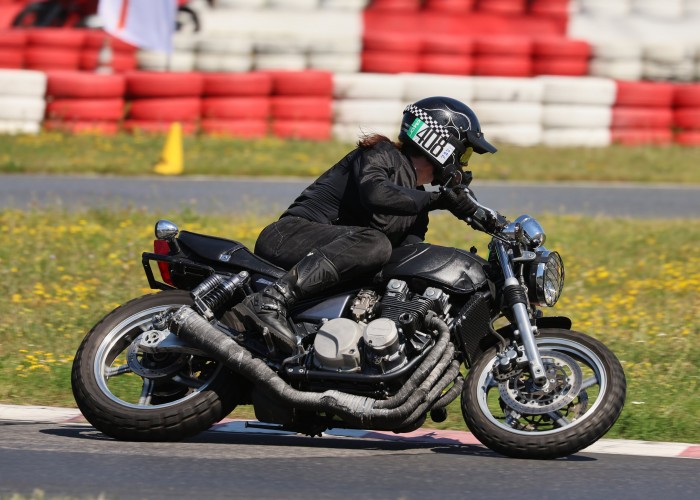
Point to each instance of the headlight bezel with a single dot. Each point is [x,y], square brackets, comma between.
[546,278]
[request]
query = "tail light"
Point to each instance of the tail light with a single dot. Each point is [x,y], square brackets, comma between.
[162,248]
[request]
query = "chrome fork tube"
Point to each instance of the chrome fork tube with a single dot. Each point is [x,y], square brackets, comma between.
[522,318]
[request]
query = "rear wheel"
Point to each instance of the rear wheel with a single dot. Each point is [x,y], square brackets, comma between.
[515,417]
[133,395]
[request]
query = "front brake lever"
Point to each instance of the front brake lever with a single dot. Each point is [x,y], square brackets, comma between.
[485,215]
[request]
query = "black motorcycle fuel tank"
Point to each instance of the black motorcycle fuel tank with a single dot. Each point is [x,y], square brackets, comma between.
[453,269]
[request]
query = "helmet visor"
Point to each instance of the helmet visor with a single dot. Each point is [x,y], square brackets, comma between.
[479,143]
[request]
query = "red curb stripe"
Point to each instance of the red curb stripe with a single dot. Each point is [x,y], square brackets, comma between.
[691,452]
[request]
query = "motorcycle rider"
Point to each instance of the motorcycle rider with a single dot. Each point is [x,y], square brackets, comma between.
[347,222]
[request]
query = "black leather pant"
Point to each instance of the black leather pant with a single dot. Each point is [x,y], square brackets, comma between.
[353,250]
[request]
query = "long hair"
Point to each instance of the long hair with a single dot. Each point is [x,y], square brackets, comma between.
[370,140]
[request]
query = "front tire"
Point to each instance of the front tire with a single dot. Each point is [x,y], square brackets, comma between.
[513,418]
[131,395]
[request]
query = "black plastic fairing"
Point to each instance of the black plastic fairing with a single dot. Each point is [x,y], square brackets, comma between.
[455,270]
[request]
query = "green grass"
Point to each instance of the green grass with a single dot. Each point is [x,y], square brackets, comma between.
[631,283]
[55,153]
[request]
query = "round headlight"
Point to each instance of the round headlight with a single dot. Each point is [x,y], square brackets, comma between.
[546,278]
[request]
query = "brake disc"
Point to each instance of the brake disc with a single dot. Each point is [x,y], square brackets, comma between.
[154,365]
[564,379]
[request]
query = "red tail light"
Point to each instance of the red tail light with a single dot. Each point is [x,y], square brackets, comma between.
[162,248]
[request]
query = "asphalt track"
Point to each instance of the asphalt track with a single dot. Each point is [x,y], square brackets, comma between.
[54,450]
[270,196]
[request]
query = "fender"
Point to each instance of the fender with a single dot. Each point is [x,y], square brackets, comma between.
[554,322]
[561,322]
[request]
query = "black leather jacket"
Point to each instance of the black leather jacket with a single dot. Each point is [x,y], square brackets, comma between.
[370,187]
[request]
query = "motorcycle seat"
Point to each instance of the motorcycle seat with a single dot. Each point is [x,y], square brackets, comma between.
[229,252]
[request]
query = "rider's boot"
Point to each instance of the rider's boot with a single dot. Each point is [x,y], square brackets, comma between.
[268,309]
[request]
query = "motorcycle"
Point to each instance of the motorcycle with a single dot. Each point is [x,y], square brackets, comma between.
[380,353]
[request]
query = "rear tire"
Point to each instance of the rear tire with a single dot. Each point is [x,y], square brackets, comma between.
[174,396]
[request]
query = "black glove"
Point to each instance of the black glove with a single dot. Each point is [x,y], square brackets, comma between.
[456,200]
[494,224]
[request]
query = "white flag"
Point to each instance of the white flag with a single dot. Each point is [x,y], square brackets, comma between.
[148,24]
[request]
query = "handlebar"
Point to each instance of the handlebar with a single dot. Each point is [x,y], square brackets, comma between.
[486,219]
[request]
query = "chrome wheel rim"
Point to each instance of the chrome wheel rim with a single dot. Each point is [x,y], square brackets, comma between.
[138,380]
[590,378]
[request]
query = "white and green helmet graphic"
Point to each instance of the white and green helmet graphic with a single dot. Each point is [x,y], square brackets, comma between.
[430,141]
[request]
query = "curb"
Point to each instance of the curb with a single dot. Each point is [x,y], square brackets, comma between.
[18,414]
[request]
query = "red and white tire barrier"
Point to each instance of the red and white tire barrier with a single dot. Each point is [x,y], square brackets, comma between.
[157,99]
[686,114]
[367,103]
[236,104]
[54,48]
[120,56]
[12,43]
[84,102]
[642,113]
[302,104]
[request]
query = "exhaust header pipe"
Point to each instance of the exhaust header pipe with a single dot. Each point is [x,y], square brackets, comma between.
[424,387]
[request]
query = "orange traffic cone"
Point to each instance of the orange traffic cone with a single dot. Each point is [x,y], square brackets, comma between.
[171,162]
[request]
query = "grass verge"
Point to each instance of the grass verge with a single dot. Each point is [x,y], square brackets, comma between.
[631,283]
[55,153]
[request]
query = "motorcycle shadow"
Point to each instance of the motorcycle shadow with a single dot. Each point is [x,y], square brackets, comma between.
[398,444]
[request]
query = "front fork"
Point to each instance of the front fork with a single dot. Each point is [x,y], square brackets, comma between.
[517,301]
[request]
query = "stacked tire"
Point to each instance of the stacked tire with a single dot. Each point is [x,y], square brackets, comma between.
[448,54]
[120,57]
[560,56]
[223,54]
[337,53]
[236,104]
[509,109]
[54,48]
[22,101]
[302,105]
[503,56]
[449,6]
[618,59]
[395,6]
[366,103]
[84,102]
[12,49]
[577,111]
[642,113]
[686,114]
[388,52]
[502,7]
[158,99]
[668,61]
[181,60]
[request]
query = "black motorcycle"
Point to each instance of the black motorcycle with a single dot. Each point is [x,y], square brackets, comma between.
[381,353]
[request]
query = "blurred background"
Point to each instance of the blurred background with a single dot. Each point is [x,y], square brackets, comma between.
[537,72]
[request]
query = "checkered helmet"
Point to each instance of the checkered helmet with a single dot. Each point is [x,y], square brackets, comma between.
[445,131]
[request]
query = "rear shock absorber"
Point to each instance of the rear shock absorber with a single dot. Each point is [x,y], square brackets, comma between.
[213,295]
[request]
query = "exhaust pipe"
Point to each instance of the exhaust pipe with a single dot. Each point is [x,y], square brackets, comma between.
[405,406]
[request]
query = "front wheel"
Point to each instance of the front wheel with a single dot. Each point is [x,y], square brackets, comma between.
[515,417]
[132,395]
